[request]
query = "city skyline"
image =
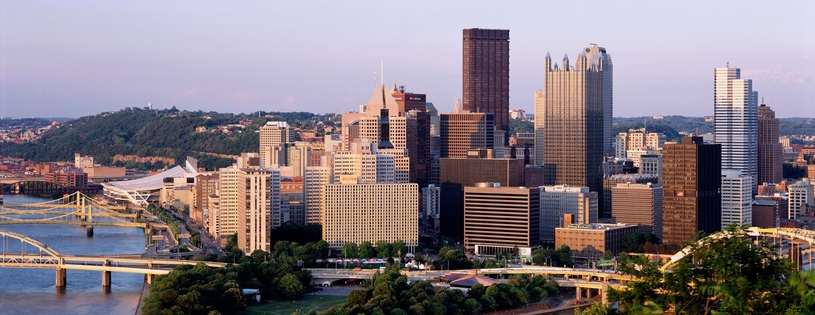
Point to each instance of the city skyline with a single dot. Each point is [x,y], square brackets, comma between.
[69,59]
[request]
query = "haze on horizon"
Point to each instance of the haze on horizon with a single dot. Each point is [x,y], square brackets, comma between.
[70,59]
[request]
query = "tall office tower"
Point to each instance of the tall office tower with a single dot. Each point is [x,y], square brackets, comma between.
[736,121]
[414,106]
[461,132]
[769,149]
[598,55]
[275,133]
[368,164]
[540,125]
[737,198]
[433,113]
[228,198]
[500,219]
[357,212]
[642,204]
[562,199]
[298,157]
[691,182]
[314,181]
[573,121]
[800,196]
[486,74]
[205,185]
[389,130]
[258,208]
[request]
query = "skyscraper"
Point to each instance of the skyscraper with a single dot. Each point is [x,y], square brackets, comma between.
[573,121]
[274,133]
[597,54]
[736,121]
[486,74]
[691,189]
[461,132]
[769,149]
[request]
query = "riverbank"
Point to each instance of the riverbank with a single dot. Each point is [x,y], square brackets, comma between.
[145,291]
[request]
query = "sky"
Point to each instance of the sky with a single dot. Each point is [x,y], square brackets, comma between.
[74,58]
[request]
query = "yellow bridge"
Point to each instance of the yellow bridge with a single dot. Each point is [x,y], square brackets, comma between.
[72,209]
[41,256]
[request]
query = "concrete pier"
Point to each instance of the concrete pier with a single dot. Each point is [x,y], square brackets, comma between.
[106,276]
[62,276]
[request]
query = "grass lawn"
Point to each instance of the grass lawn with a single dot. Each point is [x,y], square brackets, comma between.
[318,303]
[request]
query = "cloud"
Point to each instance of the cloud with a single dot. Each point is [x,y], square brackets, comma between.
[290,102]
[243,98]
[777,74]
[193,92]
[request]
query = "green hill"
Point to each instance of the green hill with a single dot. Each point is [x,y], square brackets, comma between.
[163,133]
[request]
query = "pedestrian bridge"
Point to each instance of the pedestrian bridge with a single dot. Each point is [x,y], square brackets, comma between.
[33,254]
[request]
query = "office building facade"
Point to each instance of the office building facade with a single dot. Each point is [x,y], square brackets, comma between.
[769,149]
[555,201]
[691,184]
[499,219]
[736,121]
[639,204]
[461,132]
[486,74]
[737,198]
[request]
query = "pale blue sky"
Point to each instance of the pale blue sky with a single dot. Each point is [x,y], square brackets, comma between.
[71,58]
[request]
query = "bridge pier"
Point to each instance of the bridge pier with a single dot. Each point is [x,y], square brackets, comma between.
[106,275]
[604,293]
[150,278]
[62,276]
[579,294]
[89,231]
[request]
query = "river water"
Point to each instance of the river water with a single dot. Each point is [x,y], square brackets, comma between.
[33,291]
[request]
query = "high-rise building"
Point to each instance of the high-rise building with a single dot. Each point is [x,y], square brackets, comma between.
[414,107]
[736,121]
[651,164]
[314,181]
[540,124]
[598,55]
[607,209]
[456,174]
[737,198]
[461,132]
[642,204]
[228,201]
[691,184]
[486,74]
[500,219]
[800,196]
[205,185]
[258,208]
[573,121]
[429,212]
[356,212]
[369,164]
[769,149]
[275,133]
[562,199]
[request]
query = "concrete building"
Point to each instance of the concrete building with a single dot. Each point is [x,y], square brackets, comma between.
[736,121]
[370,164]
[486,74]
[651,164]
[314,181]
[430,212]
[357,212]
[205,186]
[590,241]
[800,197]
[461,132]
[82,162]
[415,107]
[781,200]
[292,208]
[765,213]
[455,174]
[555,201]
[69,177]
[228,182]
[214,214]
[639,204]
[500,219]
[258,208]
[609,182]
[769,149]
[737,198]
[638,139]
[274,133]
[691,183]
[573,120]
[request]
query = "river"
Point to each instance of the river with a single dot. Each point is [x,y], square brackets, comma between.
[32,291]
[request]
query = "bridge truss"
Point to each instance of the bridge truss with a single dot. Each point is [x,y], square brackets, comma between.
[72,209]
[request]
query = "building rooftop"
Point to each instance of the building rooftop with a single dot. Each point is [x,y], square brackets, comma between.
[597,226]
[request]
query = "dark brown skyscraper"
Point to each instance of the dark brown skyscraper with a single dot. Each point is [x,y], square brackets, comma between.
[769,149]
[691,183]
[414,104]
[486,74]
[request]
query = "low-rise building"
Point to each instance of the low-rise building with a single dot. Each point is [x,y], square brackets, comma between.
[592,240]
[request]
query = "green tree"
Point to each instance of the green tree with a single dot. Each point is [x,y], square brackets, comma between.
[366,250]
[291,287]
[383,249]
[732,273]
[350,249]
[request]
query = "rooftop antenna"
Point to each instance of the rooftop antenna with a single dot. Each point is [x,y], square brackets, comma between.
[382,71]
